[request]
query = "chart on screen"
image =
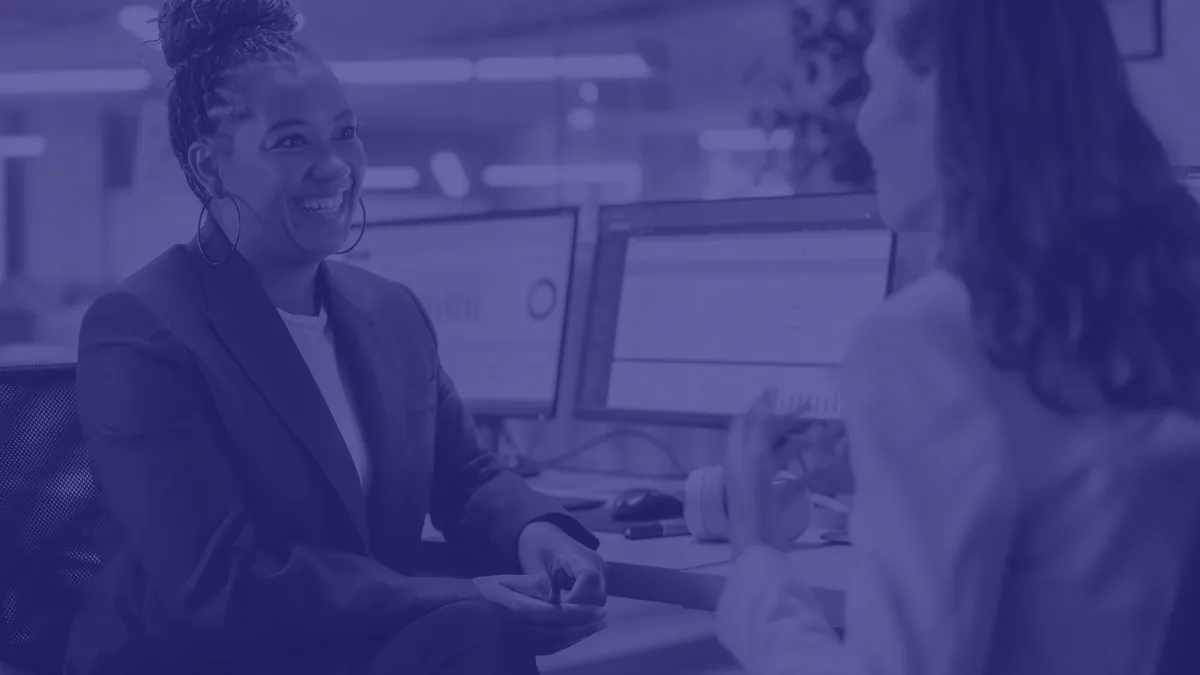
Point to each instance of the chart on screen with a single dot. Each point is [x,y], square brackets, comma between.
[495,291]
[707,323]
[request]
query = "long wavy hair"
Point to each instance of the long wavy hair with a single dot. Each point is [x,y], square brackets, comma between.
[1064,217]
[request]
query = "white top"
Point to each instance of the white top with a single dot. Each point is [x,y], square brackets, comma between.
[990,535]
[314,338]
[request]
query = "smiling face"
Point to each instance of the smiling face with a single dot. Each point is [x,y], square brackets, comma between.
[292,161]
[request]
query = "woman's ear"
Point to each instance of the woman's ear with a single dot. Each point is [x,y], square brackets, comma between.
[202,158]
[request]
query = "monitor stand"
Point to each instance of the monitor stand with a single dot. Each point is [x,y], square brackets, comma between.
[497,434]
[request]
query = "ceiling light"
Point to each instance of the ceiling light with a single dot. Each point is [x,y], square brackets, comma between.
[413,71]
[604,66]
[548,175]
[746,140]
[75,81]
[391,178]
[582,119]
[22,146]
[448,171]
[589,92]
[395,72]
[579,67]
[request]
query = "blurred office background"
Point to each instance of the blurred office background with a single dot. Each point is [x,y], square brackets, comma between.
[472,106]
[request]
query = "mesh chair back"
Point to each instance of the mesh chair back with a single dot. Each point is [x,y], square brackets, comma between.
[50,515]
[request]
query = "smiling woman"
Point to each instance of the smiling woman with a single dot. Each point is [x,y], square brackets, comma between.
[269,429]
[262,129]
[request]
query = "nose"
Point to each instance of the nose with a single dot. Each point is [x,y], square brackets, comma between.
[332,169]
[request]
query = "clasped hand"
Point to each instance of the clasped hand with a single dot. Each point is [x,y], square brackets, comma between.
[754,453]
[553,563]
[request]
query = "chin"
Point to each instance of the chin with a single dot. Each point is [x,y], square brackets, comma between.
[908,210]
[325,246]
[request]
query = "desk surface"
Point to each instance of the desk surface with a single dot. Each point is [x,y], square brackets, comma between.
[681,570]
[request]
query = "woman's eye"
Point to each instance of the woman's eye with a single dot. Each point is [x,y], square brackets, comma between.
[351,132]
[293,141]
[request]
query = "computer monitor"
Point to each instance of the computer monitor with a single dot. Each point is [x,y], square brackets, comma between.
[496,288]
[696,307]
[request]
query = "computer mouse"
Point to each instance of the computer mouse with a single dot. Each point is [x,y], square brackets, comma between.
[646,504]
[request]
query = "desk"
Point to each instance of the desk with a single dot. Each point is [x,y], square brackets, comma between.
[34,354]
[682,571]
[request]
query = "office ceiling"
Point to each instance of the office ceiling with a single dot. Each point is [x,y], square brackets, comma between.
[697,49]
[365,24]
[684,48]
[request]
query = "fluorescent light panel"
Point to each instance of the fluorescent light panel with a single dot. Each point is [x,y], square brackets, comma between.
[22,146]
[582,119]
[413,71]
[391,178]
[407,71]
[549,175]
[450,174]
[578,67]
[75,81]
[746,140]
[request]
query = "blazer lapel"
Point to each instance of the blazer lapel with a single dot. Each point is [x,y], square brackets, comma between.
[247,322]
[379,372]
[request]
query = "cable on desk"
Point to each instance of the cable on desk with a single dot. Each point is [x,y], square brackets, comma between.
[618,433]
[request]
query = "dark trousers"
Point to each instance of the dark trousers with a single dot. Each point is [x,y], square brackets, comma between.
[465,638]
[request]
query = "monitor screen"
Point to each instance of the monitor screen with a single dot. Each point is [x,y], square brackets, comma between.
[496,288]
[696,307]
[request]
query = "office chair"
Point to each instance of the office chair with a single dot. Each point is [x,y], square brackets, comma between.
[49,516]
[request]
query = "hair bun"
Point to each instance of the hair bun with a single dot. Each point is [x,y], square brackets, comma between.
[188,28]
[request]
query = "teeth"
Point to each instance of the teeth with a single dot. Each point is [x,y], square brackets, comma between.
[331,204]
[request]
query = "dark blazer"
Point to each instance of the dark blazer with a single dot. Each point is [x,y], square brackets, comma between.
[243,542]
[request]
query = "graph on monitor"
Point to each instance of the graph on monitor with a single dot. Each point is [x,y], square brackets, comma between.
[694,312]
[495,289]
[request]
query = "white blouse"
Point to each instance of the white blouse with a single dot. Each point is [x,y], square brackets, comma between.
[991,536]
[314,338]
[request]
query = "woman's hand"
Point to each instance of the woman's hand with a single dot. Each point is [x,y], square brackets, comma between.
[549,626]
[545,550]
[753,456]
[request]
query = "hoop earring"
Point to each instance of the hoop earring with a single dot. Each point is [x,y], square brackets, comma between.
[361,231]
[200,242]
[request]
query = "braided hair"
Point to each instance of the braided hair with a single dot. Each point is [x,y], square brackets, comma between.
[204,43]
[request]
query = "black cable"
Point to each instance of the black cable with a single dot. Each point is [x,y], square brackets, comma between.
[626,432]
[611,435]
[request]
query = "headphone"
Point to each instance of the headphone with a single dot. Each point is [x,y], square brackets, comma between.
[706,514]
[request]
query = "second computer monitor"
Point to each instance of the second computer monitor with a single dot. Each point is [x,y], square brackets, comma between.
[696,307]
[496,288]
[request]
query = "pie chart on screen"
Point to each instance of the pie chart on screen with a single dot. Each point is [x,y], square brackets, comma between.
[542,299]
